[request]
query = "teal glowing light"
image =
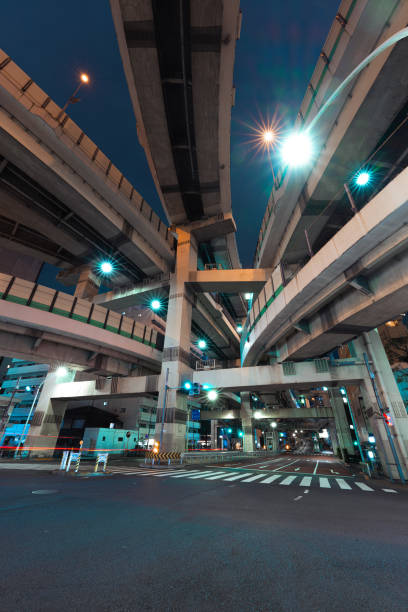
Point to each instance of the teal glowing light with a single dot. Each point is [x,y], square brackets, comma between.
[241,434]
[362,179]
[155,305]
[229,430]
[239,328]
[297,149]
[187,386]
[202,344]
[106,267]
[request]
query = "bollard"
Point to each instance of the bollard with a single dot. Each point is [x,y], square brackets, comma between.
[64,460]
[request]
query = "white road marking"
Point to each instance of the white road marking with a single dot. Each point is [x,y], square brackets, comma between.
[187,474]
[389,490]
[288,480]
[363,486]
[251,478]
[270,479]
[324,483]
[217,476]
[298,497]
[343,484]
[201,475]
[305,482]
[315,470]
[238,476]
[296,469]
[333,472]
[283,466]
[170,473]
[306,491]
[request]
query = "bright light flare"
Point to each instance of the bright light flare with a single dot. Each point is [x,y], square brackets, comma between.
[155,304]
[264,134]
[268,137]
[297,149]
[84,78]
[362,179]
[62,371]
[212,395]
[106,267]
[202,344]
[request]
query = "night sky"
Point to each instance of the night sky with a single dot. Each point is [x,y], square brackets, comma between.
[280,43]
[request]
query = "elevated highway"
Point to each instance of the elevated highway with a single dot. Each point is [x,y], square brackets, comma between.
[61,199]
[49,326]
[362,128]
[355,282]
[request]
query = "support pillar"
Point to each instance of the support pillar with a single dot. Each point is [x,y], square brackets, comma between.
[344,438]
[214,441]
[47,418]
[371,344]
[334,440]
[176,352]
[247,423]
[88,284]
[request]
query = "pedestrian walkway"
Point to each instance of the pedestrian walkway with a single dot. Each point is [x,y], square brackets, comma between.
[264,478]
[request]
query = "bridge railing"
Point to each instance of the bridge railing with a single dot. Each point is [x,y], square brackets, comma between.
[26,293]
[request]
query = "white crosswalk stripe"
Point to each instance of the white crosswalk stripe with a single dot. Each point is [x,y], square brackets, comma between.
[225,475]
[324,483]
[288,480]
[252,478]
[343,484]
[218,476]
[270,479]
[238,476]
[363,486]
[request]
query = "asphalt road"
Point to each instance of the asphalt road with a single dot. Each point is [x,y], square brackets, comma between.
[129,542]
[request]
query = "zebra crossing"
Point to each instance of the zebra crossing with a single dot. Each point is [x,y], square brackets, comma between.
[322,482]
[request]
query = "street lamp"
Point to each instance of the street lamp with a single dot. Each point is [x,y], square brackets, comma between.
[212,395]
[239,328]
[155,305]
[106,267]
[363,178]
[202,344]
[62,371]
[83,80]
[274,424]
[297,149]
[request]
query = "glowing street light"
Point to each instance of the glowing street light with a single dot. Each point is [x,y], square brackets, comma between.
[28,388]
[202,344]
[249,296]
[212,395]
[106,267]
[297,149]
[239,328]
[274,424]
[83,80]
[268,137]
[155,305]
[187,385]
[62,371]
[362,179]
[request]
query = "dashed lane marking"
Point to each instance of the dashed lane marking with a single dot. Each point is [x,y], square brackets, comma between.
[389,490]
[298,497]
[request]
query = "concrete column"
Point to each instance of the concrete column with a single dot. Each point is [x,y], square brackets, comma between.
[371,344]
[176,352]
[214,441]
[247,422]
[333,438]
[342,425]
[47,418]
[88,284]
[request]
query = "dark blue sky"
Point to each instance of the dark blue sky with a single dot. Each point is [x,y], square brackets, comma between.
[279,46]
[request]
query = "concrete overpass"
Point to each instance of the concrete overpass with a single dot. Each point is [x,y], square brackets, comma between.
[62,200]
[352,131]
[50,326]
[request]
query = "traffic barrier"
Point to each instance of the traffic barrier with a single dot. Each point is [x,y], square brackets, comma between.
[101,458]
[73,458]
[163,456]
[64,460]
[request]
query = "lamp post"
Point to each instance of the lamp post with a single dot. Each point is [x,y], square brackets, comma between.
[84,79]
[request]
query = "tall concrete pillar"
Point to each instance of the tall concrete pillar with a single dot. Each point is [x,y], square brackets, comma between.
[88,284]
[333,438]
[390,397]
[176,352]
[47,418]
[247,422]
[342,425]
[214,440]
